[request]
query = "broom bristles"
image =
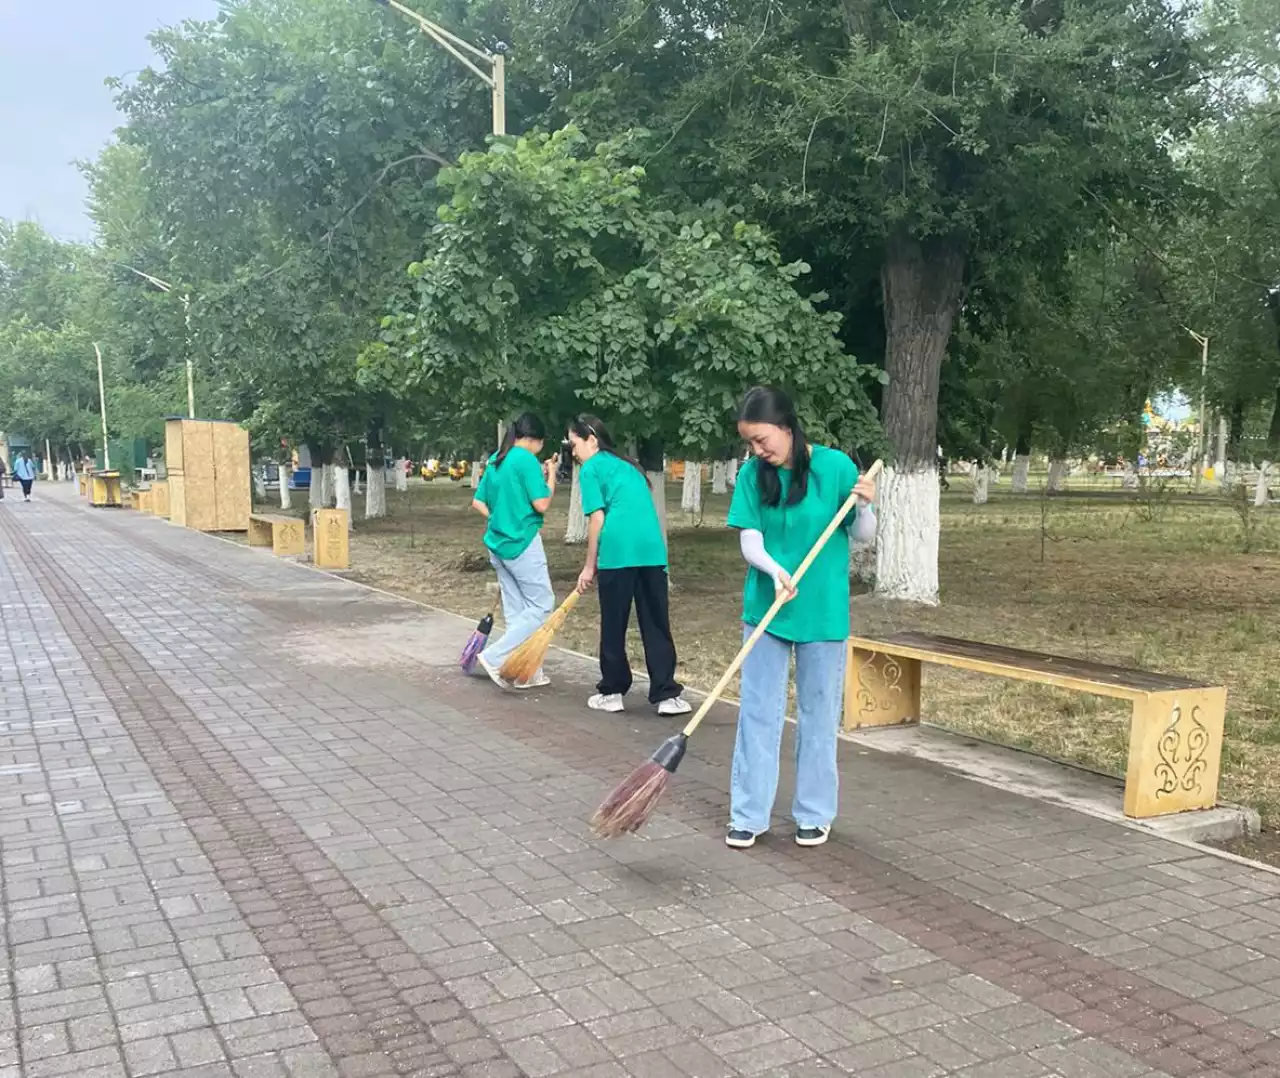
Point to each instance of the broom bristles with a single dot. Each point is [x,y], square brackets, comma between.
[527,659]
[629,807]
[471,650]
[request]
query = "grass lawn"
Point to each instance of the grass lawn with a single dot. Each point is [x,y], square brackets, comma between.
[1159,583]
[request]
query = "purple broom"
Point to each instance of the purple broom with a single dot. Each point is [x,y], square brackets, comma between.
[477,640]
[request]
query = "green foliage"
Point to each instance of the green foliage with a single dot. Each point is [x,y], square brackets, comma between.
[555,281]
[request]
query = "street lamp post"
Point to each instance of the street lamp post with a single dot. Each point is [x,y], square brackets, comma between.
[1203,445]
[463,51]
[102,408]
[165,286]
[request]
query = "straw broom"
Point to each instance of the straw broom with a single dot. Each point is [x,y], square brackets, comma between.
[526,660]
[629,807]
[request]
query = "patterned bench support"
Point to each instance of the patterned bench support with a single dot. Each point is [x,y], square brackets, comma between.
[330,539]
[286,536]
[1175,733]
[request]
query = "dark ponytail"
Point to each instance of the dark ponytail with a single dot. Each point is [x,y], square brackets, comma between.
[764,404]
[584,426]
[526,425]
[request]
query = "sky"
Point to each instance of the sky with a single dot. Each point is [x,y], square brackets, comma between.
[54,108]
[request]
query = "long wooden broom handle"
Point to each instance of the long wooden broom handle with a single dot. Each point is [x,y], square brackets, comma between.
[778,604]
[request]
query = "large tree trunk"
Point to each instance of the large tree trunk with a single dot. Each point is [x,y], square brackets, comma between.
[691,495]
[981,484]
[402,474]
[922,286]
[477,466]
[719,478]
[341,472]
[259,484]
[1057,475]
[286,477]
[1021,460]
[576,532]
[732,472]
[1220,452]
[375,497]
[1261,492]
[315,493]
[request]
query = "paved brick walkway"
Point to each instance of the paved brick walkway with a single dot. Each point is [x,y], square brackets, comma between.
[253,823]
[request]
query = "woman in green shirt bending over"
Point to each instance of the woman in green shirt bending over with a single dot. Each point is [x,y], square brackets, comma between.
[626,554]
[514,493]
[786,495]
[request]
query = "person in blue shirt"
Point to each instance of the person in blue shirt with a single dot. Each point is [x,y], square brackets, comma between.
[25,471]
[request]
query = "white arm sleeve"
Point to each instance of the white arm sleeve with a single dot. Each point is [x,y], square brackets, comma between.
[751,543]
[864,525]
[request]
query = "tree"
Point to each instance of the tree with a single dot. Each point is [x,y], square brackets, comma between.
[554,282]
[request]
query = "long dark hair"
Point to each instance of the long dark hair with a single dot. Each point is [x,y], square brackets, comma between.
[525,425]
[764,404]
[584,426]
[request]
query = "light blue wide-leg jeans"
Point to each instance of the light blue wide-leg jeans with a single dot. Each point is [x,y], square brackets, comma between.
[527,599]
[819,702]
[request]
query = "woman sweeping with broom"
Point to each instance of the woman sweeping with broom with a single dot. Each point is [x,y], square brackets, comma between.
[514,493]
[627,557]
[786,495]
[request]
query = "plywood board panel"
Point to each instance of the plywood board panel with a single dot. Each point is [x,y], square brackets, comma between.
[173,445]
[177,499]
[233,496]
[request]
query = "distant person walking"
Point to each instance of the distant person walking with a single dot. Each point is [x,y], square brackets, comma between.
[24,470]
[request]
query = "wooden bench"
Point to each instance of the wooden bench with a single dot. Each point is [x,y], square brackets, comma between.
[284,535]
[1175,734]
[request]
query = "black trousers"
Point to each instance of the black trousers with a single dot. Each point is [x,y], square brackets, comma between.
[647,587]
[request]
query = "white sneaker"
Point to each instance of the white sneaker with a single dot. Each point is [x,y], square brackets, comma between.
[677,705]
[812,836]
[536,682]
[601,702]
[492,671]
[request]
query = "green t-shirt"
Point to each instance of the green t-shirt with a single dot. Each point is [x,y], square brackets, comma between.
[509,490]
[820,610]
[632,535]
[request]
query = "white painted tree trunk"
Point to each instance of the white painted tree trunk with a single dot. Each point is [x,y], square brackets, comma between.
[375,498]
[475,474]
[1261,493]
[981,484]
[1130,480]
[1021,470]
[402,474]
[576,532]
[1057,475]
[358,488]
[658,490]
[328,485]
[48,461]
[342,491]
[691,496]
[907,536]
[286,477]
[720,478]
[259,485]
[315,493]
[732,472]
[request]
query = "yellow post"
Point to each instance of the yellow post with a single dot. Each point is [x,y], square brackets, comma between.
[330,543]
[880,690]
[1175,752]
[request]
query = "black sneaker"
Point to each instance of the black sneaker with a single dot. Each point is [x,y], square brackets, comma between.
[812,836]
[740,840]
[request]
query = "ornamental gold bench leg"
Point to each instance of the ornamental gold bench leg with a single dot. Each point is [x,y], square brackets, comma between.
[880,690]
[1175,752]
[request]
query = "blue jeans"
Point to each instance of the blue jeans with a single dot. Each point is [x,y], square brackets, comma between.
[527,599]
[819,702]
